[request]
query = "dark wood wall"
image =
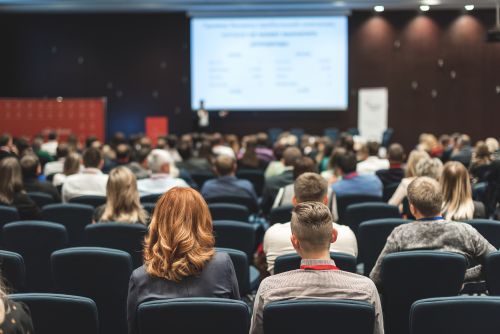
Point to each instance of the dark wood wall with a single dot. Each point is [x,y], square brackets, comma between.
[442,76]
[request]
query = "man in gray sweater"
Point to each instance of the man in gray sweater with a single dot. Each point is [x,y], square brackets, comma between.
[431,232]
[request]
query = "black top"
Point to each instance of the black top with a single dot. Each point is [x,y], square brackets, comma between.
[217,279]
[390,176]
[17,318]
[44,187]
[272,187]
[27,209]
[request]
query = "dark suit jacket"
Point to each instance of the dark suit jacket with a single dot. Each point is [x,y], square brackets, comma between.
[272,186]
[217,279]
[44,187]
[390,176]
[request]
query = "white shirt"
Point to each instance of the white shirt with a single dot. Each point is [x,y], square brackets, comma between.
[91,181]
[53,167]
[50,147]
[277,242]
[372,164]
[159,184]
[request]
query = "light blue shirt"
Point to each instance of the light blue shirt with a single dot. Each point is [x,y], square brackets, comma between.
[358,184]
[159,184]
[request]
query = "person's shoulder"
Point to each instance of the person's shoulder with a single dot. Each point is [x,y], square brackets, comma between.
[361,282]
[278,229]
[220,259]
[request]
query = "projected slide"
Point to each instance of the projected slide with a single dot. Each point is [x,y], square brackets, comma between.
[272,63]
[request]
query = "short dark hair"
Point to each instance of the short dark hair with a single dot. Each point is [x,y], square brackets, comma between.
[62,150]
[396,153]
[90,140]
[52,135]
[29,165]
[291,155]
[304,165]
[92,157]
[224,165]
[347,162]
[4,139]
[373,148]
[184,150]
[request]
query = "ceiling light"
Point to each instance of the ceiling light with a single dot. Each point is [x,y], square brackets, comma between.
[469,7]
[379,9]
[425,8]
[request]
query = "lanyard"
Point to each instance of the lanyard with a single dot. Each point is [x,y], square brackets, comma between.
[430,219]
[319,267]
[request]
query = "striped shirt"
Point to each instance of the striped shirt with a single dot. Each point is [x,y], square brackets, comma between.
[315,284]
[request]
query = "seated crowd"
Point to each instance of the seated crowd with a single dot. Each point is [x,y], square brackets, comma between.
[441,184]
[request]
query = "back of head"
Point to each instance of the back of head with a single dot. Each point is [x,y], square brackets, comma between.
[464,141]
[180,239]
[225,165]
[5,139]
[347,162]
[123,153]
[310,187]
[457,193]
[431,167]
[71,164]
[304,165]
[184,149]
[482,152]
[11,180]
[172,141]
[52,135]
[157,159]
[312,225]
[396,153]
[262,139]
[413,159]
[335,157]
[62,150]
[92,158]
[492,144]
[373,148]
[290,155]
[29,166]
[425,195]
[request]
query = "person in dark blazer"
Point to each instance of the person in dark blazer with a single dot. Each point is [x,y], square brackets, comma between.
[179,256]
[31,169]
[395,173]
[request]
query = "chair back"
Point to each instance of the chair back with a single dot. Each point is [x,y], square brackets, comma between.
[149,207]
[344,201]
[372,236]
[235,235]
[289,262]
[489,229]
[255,176]
[388,191]
[318,315]
[281,214]
[101,274]
[457,315]
[92,200]
[73,216]
[201,177]
[41,199]
[227,211]
[246,275]
[240,200]
[492,269]
[8,214]
[35,241]
[13,270]
[332,133]
[126,237]
[151,198]
[194,316]
[60,314]
[409,276]
[355,214]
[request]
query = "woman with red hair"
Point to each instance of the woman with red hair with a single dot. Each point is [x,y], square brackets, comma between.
[179,255]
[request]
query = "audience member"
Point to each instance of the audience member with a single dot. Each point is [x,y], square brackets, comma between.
[31,169]
[219,147]
[90,181]
[395,173]
[57,166]
[43,156]
[7,148]
[312,233]
[249,159]
[15,317]
[481,160]
[274,183]
[179,255]
[330,174]
[352,182]
[11,190]
[195,164]
[457,194]
[51,145]
[372,163]
[140,165]
[432,231]
[71,166]
[264,153]
[164,174]
[171,141]
[493,147]
[308,187]
[122,199]
[463,151]
[276,167]
[227,184]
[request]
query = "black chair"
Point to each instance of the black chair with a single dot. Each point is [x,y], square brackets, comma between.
[281,214]
[41,199]
[355,214]
[92,200]
[332,133]
[489,229]
[13,270]
[151,198]
[372,236]
[457,315]
[149,207]
[60,314]
[387,136]
[289,262]
[248,276]
[8,215]
[194,316]
[201,177]
[256,177]
[388,191]
[227,211]
[73,216]
[344,201]
[319,316]
[492,269]
[101,274]
[235,235]
[274,133]
[409,276]
[126,237]
[35,241]
[249,202]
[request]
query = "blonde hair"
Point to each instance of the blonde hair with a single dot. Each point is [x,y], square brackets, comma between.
[457,193]
[71,164]
[11,180]
[123,204]
[414,157]
[180,240]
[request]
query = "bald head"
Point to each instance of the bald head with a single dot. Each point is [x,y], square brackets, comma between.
[225,165]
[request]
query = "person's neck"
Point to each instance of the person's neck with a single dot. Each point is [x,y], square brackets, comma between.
[323,255]
[419,216]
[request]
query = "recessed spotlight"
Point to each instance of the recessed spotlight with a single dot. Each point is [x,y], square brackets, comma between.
[379,9]
[425,8]
[469,7]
